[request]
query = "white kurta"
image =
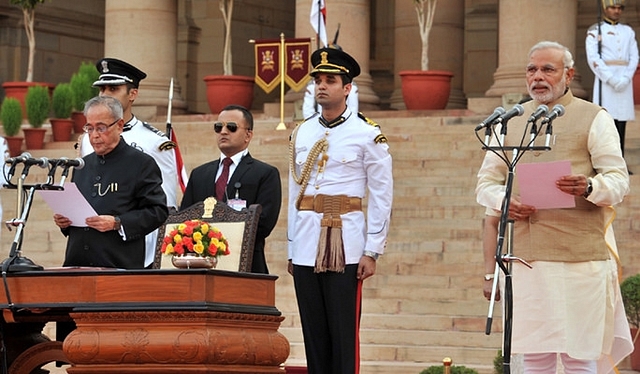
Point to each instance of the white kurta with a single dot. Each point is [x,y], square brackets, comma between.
[357,166]
[548,299]
[619,46]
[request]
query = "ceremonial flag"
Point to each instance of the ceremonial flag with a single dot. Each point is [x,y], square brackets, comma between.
[267,64]
[318,20]
[298,60]
[183,178]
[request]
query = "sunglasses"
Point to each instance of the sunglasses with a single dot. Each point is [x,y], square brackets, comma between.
[231,126]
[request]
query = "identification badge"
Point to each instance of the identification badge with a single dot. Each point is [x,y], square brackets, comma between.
[237,204]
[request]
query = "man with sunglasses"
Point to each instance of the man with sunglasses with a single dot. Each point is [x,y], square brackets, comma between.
[244,181]
[337,157]
[121,80]
[612,53]
[123,185]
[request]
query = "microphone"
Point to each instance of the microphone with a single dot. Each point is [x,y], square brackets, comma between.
[77,163]
[43,162]
[517,110]
[491,119]
[16,160]
[557,111]
[541,111]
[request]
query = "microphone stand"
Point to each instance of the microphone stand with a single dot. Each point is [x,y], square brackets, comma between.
[506,227]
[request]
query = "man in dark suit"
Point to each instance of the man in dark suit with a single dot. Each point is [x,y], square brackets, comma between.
[249,181]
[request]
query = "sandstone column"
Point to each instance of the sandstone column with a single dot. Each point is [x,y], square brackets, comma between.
[353,17]
[521,26]
[446,46]
[149,28]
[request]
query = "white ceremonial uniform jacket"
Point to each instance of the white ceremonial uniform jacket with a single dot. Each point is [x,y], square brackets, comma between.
[357,166]
[150,143]
[619,46]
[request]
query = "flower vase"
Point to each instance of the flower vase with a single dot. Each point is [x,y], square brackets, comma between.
[192,261]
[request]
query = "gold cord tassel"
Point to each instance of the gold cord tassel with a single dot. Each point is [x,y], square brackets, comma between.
[330,256]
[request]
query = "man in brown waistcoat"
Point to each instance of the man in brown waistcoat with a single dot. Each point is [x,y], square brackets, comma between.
[568,304]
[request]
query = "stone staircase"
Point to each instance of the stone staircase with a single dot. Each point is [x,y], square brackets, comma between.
[425,302]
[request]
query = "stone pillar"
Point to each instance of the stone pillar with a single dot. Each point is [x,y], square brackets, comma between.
[446,46]
[521,26]
[149,28]
[354,18]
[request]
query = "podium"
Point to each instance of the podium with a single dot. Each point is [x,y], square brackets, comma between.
[150,321]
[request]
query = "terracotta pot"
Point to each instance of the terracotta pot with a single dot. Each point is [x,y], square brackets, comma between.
[223,90]
[295,369]
[14,143]
[426,89]
[19,91]
[79,120]
[34,138]
[61,128]
[636,86]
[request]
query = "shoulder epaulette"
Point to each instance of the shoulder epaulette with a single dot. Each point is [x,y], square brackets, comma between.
[166,146]
[148,126]
[367,120]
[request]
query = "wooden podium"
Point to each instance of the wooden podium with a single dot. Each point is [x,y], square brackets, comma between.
[152,321]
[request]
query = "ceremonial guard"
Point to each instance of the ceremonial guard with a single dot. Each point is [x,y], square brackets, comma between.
[612,53]
[121,80]
[337,157]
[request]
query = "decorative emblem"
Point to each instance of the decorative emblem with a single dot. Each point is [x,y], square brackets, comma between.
[105,66]
[296,59]
[324,60]
[267,60]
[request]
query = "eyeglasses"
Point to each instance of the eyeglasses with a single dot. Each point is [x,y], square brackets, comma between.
[101,129]
[546,70]
[231,126]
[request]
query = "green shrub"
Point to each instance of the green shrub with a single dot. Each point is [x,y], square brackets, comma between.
[498,363]
[81,84]
[62,101]
[630,290]
[455,369]
[38,105]
[11,116]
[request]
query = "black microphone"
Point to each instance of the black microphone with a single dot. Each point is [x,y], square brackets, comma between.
[77,163]
[541,111]
[16,160]
[557,111]
[491,119]
[43,162]
[517,110]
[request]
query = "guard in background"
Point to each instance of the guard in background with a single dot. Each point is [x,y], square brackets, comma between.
[121,80]
[612,53]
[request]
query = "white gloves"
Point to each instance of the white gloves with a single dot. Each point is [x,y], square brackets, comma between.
[618,83]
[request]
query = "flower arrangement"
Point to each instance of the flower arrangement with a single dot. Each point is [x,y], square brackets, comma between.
[195,237]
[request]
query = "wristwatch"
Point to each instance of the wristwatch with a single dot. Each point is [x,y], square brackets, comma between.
[589,189]
[488,277]
[371,254]
[116,223]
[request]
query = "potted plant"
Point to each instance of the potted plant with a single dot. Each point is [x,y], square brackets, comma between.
[38,106]
[19,89]
[81,85]
[425,88]
[11,117]
[62,105]
[228,88]
[195,243]
[630,290]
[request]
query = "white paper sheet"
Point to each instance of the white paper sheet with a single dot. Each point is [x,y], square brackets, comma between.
[70,203]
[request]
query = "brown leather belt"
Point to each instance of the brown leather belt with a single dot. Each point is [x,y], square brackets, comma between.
[338,204]
[617,62]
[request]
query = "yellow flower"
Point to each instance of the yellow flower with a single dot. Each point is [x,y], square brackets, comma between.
[198,248]
[169,249]
[181,227]
[177,238]
[197,236]
[204,228]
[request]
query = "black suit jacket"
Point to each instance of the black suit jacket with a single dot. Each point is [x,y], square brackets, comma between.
[257,183]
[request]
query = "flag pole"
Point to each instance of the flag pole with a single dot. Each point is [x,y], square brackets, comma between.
[319,20]
[281,125]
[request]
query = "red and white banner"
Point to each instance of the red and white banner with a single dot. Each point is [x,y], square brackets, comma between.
[318,19]
[298,58]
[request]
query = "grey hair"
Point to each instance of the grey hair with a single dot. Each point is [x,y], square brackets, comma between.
[567,59]
[112,104]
